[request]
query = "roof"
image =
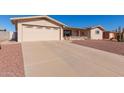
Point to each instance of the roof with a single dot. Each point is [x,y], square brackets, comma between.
[16,19]
[75,28]
[93,27]
[100,27]
[110,32]
[84,29]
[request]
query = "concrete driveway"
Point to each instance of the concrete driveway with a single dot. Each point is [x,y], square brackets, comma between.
[67,59]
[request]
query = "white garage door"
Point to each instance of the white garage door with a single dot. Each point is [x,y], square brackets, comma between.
[36,33]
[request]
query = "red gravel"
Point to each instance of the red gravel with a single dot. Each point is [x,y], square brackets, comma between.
[11,61]
[109,46]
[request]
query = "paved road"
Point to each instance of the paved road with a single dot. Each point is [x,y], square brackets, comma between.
[67,59]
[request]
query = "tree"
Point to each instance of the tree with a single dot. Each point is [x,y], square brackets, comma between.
[123,35]
[120,35]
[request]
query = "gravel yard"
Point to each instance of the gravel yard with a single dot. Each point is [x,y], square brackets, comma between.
[11,61]
[109,46]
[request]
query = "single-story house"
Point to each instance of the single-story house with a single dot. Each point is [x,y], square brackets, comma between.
[43,28]
[84,33]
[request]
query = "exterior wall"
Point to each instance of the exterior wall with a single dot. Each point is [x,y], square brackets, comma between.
[61,33]
[105,35]
[19,32]
[38,35]
[74,33]
[95,36]
[87,33]
[41,22]
[80,33]
[6,35]
[12,35]
[77,35]
[111,35]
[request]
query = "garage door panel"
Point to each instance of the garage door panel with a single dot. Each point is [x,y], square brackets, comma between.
[40,34]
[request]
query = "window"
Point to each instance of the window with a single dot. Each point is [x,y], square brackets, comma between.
[97,31]
[67,32]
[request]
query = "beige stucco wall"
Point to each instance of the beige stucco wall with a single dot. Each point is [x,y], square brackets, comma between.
[42,22]
[111,35]
[95,36]
[39,34]
[6,35]
[19,32]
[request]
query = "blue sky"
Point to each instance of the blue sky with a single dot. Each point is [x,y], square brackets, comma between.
[109,22]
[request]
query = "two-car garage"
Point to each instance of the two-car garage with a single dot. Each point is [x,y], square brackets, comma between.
[40,33]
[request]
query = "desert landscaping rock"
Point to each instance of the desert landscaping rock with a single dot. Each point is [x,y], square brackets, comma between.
[11,61]
[109,46]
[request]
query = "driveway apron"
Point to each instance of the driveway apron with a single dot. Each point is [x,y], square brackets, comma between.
[60,58]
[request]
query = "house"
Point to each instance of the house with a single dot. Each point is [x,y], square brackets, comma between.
[96,32]
[85,33]
[43,28]
[110,35]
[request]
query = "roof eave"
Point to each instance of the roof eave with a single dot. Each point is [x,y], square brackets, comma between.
[15,20]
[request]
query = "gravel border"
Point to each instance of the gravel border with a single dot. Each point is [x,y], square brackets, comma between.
[11,60]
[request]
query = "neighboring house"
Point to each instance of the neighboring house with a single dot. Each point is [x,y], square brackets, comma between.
[110,35]
[42,28]
[96,33]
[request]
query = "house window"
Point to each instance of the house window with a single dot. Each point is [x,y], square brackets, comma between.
[67,33]
[97,31]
